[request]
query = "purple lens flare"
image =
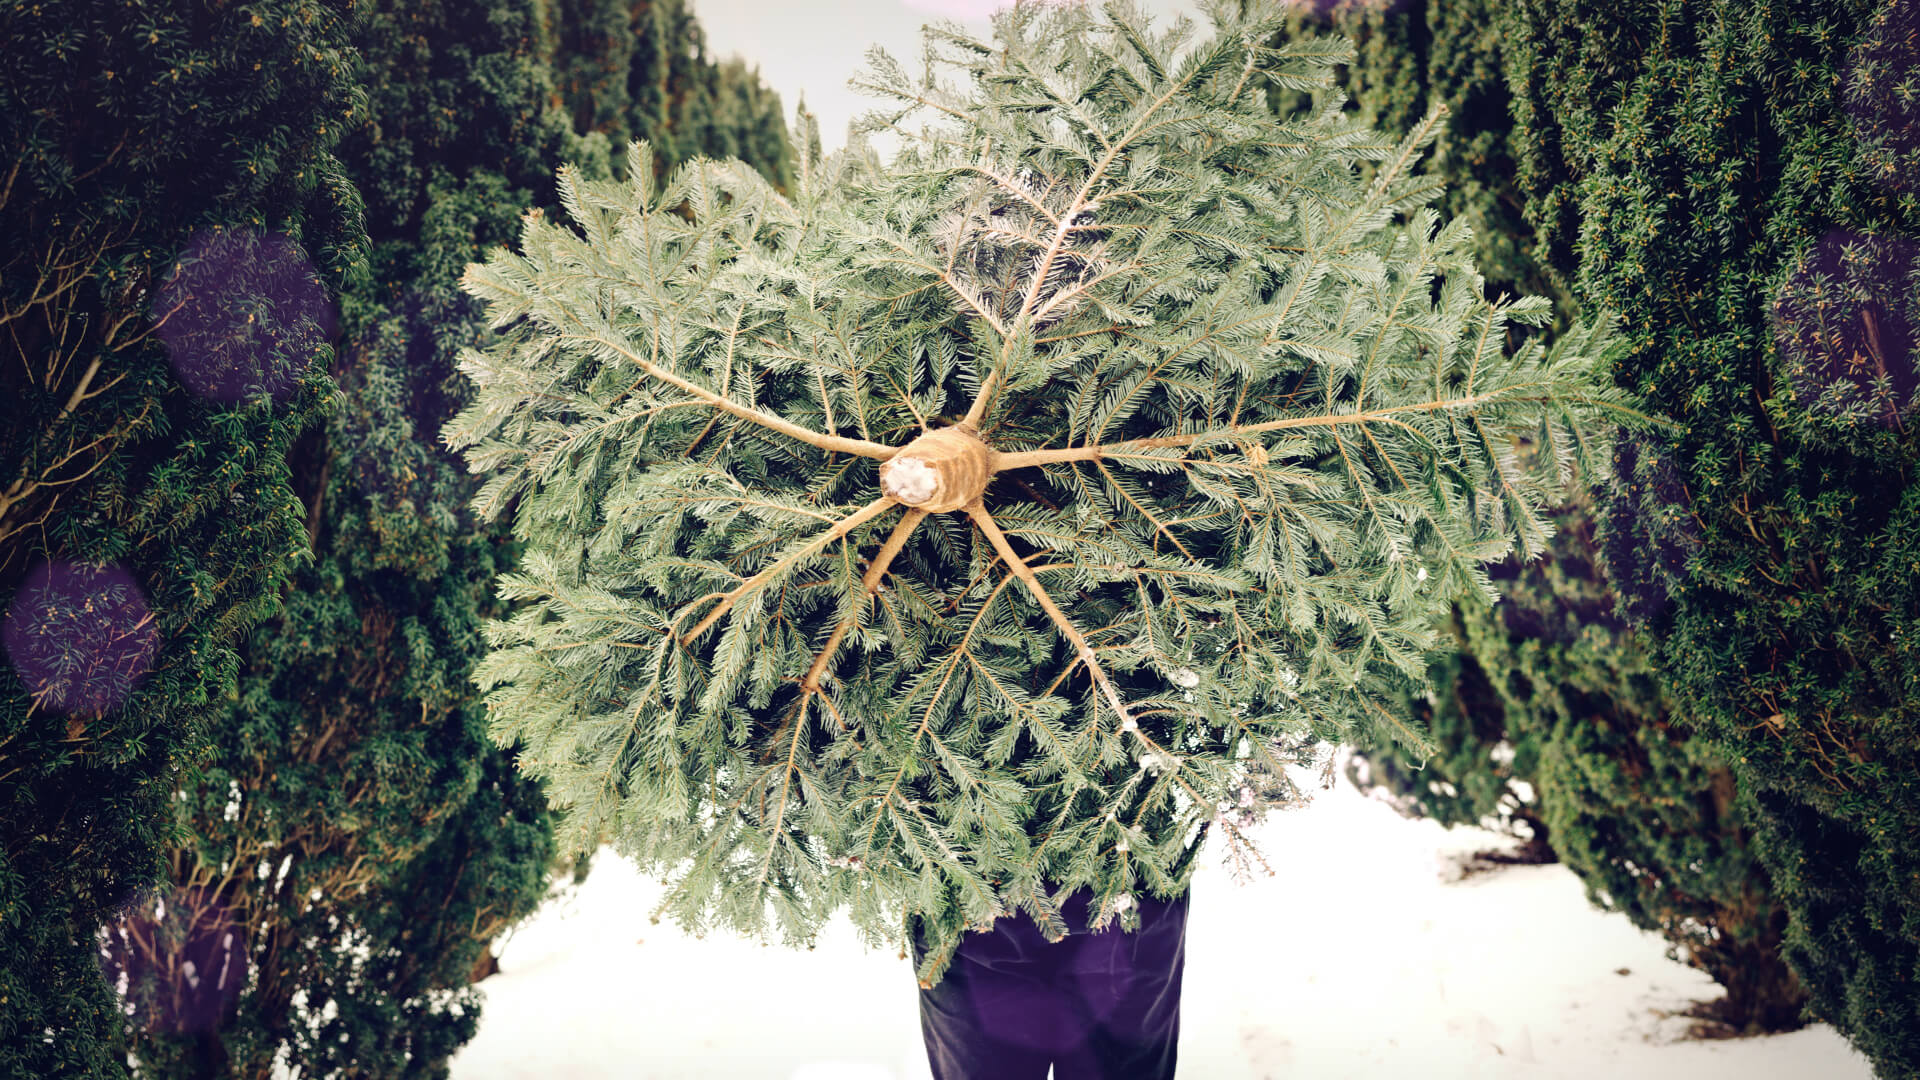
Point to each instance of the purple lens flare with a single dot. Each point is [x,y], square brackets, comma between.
[178,959]
[242,314]
[1844,323]
[81,636]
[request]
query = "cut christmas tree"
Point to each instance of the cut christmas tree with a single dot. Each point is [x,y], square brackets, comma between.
[959,530]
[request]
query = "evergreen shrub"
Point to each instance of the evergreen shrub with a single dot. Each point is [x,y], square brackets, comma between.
[357,844]
[1720,172]
[152,149]
[1645,813]
[1550,712]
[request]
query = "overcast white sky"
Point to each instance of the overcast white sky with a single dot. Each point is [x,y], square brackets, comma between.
[812,47]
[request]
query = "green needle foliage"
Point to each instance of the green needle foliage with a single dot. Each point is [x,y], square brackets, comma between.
[1644,813]
[1481,773]
[1724,184]
[1228,427]
[127,127]
[1551,712]
[1412,54]
[638,69]
[357,843]
[352,748]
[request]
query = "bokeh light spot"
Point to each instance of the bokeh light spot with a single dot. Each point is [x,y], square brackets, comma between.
[80,636]
[178,959]
[242,314]
[1844,321]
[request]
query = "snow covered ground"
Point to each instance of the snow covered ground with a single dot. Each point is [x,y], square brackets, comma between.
[1357,959]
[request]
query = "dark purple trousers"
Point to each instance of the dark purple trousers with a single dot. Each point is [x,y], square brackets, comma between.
[1100,1006]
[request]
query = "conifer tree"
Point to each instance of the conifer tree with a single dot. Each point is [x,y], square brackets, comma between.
[1412,54]
[1550,710]
[1644,813]
[357,843]
[351,745]
[997,521]
[742,119]
[638,69]
[1481,773]
[1724,185]
[176,225]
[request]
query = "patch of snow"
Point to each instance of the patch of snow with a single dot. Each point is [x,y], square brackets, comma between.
[1354,961]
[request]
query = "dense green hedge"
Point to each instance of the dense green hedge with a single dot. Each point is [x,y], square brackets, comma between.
[1413,54]
[638,69]
[1552,715]
[353,765]
[140,136]
[1645,815]
[1551,719]
[294,831]
[351,750]
[1700,163]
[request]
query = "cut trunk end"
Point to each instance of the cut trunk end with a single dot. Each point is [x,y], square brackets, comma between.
[939,471]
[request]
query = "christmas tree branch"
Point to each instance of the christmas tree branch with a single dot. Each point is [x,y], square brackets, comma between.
[870,584]
[1012,187]
[1025,573]
[778,831]
[1114,482]
[952,665]
[727,599]
[1021,459]
[989,386]
[831,443]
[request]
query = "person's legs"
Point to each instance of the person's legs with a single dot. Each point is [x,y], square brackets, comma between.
[1122,993]
[993,1016]
[1100,1006]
